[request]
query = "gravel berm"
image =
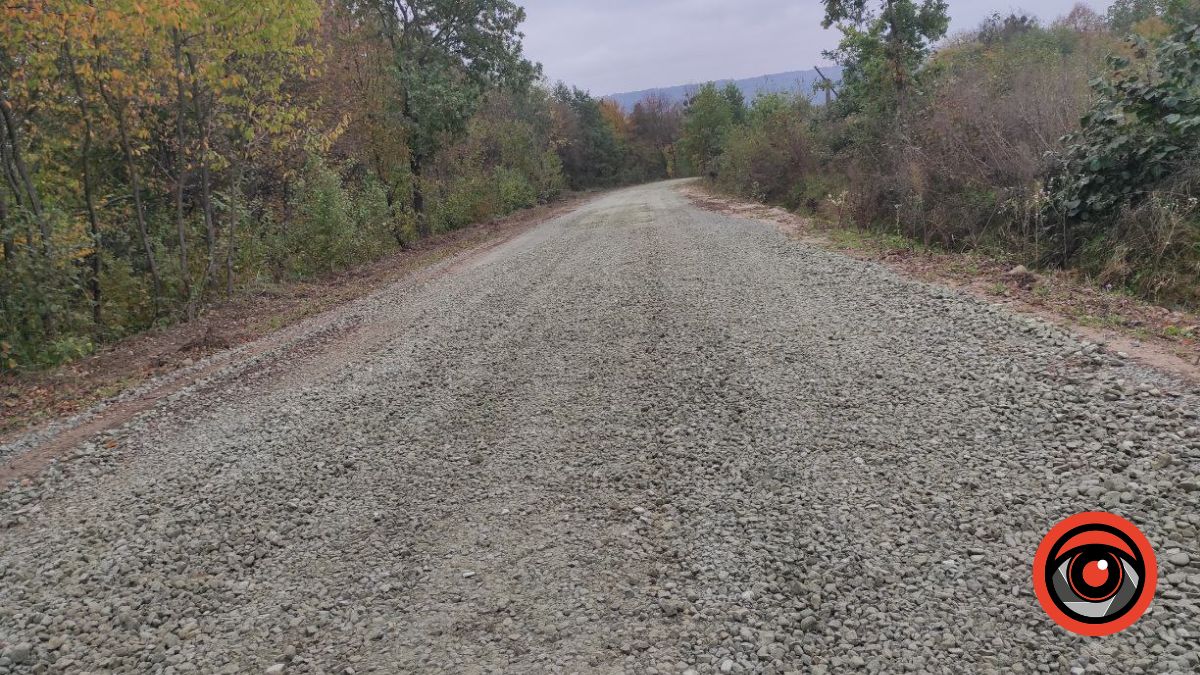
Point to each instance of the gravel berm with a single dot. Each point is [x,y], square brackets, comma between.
[641,437]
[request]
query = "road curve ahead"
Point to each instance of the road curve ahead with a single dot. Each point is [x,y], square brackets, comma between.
[638,438]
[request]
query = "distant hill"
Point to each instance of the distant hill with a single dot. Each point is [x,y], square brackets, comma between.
[797,81]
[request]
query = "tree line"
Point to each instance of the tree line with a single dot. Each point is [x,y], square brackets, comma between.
[156,156]
[1071,144]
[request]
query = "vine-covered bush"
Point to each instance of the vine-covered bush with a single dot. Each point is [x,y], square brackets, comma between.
[1143,129]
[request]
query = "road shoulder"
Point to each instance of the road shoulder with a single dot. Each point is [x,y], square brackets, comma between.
[1156,337]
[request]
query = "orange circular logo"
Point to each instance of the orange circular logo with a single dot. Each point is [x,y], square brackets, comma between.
[1095,573]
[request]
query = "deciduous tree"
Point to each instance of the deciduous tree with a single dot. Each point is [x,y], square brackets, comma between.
[447,54]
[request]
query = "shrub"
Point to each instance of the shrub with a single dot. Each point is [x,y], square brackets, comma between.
[549,179]
[373,220]
[514,190]
[709,117]
[949,170]
[328,227]
[773,153]
[1151,248]
[1143,128]
[320,234]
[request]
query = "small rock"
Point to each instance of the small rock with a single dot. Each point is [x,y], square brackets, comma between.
[20,653]
[1021,276]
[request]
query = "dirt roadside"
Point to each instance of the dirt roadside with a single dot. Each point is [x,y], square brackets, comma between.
[28,401]
[1157,337]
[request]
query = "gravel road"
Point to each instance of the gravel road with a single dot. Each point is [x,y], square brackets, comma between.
[640,437]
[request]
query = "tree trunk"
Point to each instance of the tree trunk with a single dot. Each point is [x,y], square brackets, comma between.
[202,122]
[897,61]
[418,193]
[31,193]
[14,186]
[231,236]
[210,224]
[89,191]
[34,204]
[229,244]
[181,173]
[10,176]
[135,184]
[6,235]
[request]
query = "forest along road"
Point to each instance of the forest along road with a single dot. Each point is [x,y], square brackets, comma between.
[640,437]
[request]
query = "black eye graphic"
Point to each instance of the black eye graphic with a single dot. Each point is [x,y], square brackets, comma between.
[1095,574]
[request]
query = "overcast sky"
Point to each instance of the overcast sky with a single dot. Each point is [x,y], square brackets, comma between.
[613,46]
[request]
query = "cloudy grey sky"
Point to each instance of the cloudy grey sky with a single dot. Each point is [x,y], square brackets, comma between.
[612,46]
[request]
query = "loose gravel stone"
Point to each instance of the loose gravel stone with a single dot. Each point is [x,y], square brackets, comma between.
[19,653]
[638,438]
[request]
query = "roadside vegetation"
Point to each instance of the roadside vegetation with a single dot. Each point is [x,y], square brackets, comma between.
[156,156]
[1072,144]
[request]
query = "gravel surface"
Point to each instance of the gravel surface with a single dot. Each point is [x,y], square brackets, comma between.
[639,438]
